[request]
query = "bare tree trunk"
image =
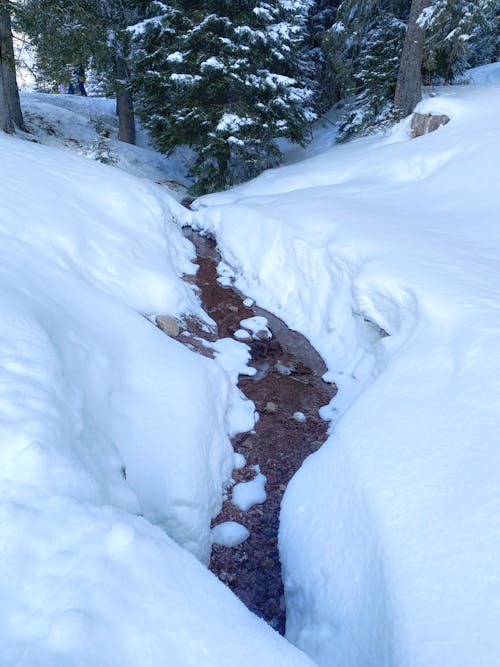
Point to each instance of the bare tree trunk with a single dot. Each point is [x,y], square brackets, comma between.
[124,103]
[6,120]
[409,83]
[10,104]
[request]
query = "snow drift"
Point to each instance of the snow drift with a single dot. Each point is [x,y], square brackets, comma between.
[383,252]
[113,437]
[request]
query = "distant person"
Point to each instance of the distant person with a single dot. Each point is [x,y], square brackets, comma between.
[71,89]
[61,88]
[80,75]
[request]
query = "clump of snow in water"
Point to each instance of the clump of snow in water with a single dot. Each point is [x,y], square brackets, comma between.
[242,334]
[299,416]
[248,302]
[387,531]
[226,274]
[239,461]
[247,494]
[233,357]
[229,534]
[257,325]
[107,425]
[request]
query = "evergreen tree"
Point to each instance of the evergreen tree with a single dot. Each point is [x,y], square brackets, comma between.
[375,77]
[91,32]
[485,45]
[452,29]
[225,78]
[363,47]
[327,91]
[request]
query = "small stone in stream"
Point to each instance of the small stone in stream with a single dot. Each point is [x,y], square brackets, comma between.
[168,325]
[282,487]
[283,370]
[270,407]
[269,532]
[233,309]
[262,334]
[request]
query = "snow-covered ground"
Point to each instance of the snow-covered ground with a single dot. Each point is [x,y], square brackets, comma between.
[384,252]
[114,442]
[114,449]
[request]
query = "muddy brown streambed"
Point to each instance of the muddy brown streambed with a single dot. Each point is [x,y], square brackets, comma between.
[288,381]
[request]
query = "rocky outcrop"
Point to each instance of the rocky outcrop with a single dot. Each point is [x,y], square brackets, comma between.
[425,123]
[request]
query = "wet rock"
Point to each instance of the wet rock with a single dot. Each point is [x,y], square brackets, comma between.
[186,202]
[267,562]
[168,325]
[262,334]
[270,407]
[269,531]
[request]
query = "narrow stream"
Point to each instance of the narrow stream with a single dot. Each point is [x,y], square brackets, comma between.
[288,381]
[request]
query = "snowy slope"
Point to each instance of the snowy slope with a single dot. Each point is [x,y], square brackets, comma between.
[384,252]
[113,436]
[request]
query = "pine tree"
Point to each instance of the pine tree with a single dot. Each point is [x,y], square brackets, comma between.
[485,45]
[91,32]
[375,77]
[363,47]
[453,27]
[226,79]
[321,17]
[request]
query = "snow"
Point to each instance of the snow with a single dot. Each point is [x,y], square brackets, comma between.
[299,416]
[383,252]
[233,356]
[229,534]
[257,325]
[114,449]
[247,494]
[241,334]
[239,461]
[231,122]
[212,63]
[72,122]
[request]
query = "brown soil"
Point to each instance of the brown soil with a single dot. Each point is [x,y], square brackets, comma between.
[278,444]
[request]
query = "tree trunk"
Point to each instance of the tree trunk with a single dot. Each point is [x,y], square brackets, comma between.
[409,83]
[124,103]
[10,104]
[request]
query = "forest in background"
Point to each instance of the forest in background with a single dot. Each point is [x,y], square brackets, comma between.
[227,78]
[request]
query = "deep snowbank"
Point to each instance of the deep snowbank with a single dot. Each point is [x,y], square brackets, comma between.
[92,391]
[388,532]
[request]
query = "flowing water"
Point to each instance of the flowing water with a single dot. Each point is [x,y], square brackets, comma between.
[288,380]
